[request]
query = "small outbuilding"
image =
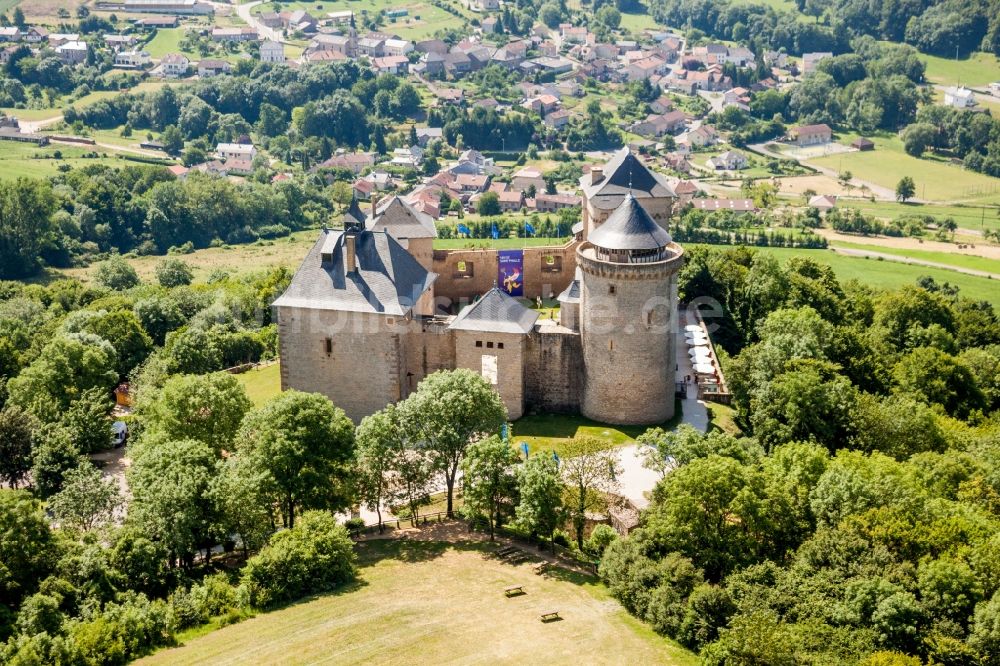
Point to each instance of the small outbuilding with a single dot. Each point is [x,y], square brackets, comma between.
[862,143]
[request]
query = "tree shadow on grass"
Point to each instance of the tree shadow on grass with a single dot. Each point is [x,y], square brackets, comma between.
[412,550]
[555,572]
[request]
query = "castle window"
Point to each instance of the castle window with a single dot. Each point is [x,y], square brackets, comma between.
[551,263]
[463,270]
[490,369]
[499,345]
[489,345]
[479,343]
[329,346]
[611,289]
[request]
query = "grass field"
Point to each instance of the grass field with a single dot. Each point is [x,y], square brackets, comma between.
[892,275]
[936,179]
[437,603]
[949,258]
[976,71]
[262,383]
[551,432]
[166,41]
[422,21]
[288,251]
[21,159]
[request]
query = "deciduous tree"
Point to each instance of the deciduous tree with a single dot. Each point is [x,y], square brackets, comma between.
[488,478]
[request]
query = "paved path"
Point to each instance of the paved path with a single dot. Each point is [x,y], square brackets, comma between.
[635,480]
[245,13]
[916,262]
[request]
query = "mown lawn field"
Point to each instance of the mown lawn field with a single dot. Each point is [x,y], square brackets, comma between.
[936,179]
[551,432]
[439,603]
[261,384]
[976,70]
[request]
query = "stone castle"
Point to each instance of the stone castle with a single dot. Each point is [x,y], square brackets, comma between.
[374,309]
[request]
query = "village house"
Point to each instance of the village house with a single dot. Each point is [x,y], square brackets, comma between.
[811,135]
[270,20]
[646,67]
[810,60]
[72,53]
[119,42]
[541,104]
[397,47]
[427,134]
[469,183]
[685,191]
[671,122]
[132,59]
[391,64]
[58,38]
[823,202]
[373,47]
[343,44]
[861,143]
[242,34]
[728,161]
[550,203]
[35,34]
[209,68]
[410,158]
[511,201]
[236,151]
[353,162]
[432,46]
[174,65]
[704,135]
[526,178]
[272,51]
[10,34]
[733,205]
[557,119]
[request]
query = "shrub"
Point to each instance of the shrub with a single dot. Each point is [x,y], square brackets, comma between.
[314,556]
[600,538]
[173,273]
[116,273]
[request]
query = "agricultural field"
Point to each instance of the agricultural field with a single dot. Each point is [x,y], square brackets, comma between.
[936,179]
[975,71]
[432,602]
[166,41]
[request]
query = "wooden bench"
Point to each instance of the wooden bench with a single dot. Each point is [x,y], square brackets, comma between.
[550,616]
[513,589]
[541,567]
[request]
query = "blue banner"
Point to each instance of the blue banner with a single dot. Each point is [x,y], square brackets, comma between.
[510,271]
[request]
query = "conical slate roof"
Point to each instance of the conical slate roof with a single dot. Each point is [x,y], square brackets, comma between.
[630,228]
[401,220]
[497,312]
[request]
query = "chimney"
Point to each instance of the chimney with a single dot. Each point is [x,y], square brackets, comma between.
[596,175]
[350,255]
[374,201]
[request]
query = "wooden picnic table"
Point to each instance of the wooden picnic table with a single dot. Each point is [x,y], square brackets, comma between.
[549,616]
[513,589]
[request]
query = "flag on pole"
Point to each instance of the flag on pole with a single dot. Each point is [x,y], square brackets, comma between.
[462,229]
[495,232]
[504,432]
[528,229]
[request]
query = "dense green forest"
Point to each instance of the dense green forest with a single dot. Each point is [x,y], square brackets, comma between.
[942,28]
[857,521]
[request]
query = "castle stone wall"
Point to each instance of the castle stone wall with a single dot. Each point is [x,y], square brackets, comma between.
[355,359]
[542,276]
[553,370]
[506,354]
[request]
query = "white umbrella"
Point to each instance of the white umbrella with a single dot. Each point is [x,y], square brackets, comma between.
[694,328]
[704,368]
[694,340]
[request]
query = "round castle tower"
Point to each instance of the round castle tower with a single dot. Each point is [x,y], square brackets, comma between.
[628,318]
